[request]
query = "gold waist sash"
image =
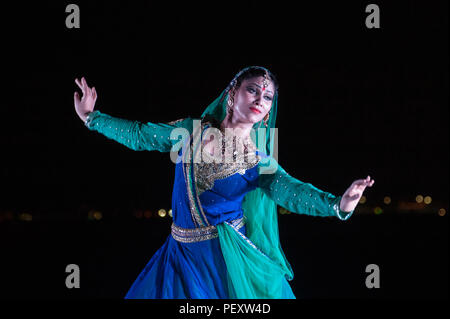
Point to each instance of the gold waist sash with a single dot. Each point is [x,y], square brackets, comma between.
[194,235]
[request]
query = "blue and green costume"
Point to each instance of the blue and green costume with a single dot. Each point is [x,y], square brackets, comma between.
[224,240]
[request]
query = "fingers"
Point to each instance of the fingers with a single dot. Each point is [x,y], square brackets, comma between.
[369,182]
[86,87]
[359,182]
[80,85]
[94,93]
[364,182]
[83,86]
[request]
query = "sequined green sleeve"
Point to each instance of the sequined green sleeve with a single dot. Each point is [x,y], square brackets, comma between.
[299,197]
[136,135]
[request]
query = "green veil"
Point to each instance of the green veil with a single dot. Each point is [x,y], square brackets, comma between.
[257,267]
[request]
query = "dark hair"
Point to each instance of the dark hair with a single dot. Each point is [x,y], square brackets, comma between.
[251,72]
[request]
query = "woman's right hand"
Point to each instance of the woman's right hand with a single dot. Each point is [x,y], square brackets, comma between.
[86,104]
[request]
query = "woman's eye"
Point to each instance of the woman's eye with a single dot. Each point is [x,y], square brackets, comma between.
[251,90]
[268,98]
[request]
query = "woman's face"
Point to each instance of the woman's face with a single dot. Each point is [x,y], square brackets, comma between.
[251,102]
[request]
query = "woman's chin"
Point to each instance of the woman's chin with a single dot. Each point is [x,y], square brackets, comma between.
[254,118]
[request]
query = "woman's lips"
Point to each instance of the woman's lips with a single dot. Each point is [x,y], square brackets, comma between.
[255,110]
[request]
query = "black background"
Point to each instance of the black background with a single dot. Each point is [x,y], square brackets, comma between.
[352,102]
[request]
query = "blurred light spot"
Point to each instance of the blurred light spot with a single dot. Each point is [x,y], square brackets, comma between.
[147,214]
[427,200]
[94,214]
[378,210]
[387,200]
[26,217]
[97,215]
[419,198]
[170,212]
[442,212]
[138,214]
[363,199]
[162,212]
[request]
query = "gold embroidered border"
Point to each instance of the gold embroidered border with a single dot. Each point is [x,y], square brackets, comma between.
[194,235]
[206,172]
[191,188]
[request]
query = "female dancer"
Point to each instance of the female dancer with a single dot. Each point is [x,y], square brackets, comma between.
[224,240]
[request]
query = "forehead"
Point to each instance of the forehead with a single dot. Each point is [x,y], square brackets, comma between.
[258,81]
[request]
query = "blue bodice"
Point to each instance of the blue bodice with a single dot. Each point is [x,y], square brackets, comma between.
[220,203]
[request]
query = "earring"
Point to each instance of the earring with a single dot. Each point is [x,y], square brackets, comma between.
[230,106]
[266,118]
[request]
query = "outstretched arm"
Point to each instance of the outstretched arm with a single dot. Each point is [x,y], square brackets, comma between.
[136,135]
[303,198]
[133,134]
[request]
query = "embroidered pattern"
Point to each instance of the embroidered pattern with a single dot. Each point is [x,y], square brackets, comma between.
[214,167]
[194,235]
[195,205]
[175,122]
[200,176]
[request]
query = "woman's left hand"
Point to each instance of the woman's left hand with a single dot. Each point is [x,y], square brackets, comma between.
[353,194]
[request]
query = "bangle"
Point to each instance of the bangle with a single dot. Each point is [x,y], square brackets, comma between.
[339,212]
[89,119]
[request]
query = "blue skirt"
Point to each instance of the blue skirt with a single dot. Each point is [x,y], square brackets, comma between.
[183,271]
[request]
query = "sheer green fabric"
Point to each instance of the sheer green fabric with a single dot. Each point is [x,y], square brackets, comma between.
[252,274]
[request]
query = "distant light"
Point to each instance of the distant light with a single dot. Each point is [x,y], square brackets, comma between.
[378,210]
[147,214]
[26,217]
[170,212]
[363,199]
[427,200]
[91,214]
[97,215]
[387,200]
[162,212]
[138,214]
[442,212]
[419,198]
